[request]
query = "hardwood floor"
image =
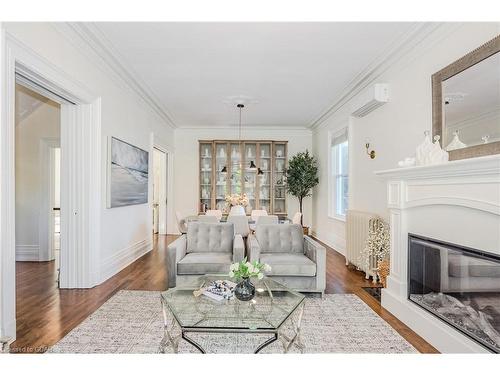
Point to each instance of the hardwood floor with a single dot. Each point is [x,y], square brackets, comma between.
[45,314]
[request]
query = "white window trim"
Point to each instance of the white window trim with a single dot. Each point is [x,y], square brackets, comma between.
[332,204]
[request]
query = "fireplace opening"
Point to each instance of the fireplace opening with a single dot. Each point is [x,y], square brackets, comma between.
[459,285]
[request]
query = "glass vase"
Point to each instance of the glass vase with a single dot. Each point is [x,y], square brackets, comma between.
[244,290]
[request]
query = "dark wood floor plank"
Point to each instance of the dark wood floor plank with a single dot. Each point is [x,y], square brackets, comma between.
[45,314]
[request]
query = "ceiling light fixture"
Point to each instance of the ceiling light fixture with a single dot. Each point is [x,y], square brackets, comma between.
[252,165]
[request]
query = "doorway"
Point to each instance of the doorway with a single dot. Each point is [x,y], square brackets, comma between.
[37,175]
[160,186]
[80,142]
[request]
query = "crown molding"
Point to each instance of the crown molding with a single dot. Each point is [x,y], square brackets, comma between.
[259,128]
[249,127]
[402,47]
[87,37]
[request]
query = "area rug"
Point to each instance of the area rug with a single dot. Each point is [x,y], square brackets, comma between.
[131,322]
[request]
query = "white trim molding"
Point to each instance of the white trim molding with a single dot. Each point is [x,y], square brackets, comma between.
[80,174]
[337,243]
[46,218]
[100,50]
[333,171]
[457,202]
[124,257]
[27,253]
[402,47]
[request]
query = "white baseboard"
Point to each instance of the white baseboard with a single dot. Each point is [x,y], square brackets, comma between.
[124,257]
[9,331]
[336,243]
[27,253]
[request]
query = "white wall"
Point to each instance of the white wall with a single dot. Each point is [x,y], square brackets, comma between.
[186,161]
[395,129]
[44,122]
[126,231]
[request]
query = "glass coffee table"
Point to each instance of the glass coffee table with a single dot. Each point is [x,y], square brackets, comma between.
[274,308]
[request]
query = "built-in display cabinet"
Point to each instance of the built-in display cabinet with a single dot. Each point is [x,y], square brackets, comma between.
[232,167]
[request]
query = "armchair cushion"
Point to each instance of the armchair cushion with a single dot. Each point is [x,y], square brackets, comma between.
[280,238]
[208,237]
[204,263]
[288,264]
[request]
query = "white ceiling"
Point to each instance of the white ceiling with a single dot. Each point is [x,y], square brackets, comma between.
[293,72]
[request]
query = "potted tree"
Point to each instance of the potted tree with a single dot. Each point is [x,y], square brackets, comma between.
[301,177]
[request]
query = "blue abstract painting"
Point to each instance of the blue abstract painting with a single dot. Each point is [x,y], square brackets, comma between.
[128,174]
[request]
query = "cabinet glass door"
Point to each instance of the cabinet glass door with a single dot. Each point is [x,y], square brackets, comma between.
[234,169]
[205,176]
[279,204]
[221,181]
[250,174]
[264,180]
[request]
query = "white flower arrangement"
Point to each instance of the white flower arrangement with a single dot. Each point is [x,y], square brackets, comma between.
[237,200]
[246,269]
[378,244]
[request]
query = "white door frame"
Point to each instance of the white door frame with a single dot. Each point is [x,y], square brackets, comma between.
[46,216]
[167,221]
[162,192]
[80,174]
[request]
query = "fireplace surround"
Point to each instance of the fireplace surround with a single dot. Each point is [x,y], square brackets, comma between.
[454,203]
[459,285]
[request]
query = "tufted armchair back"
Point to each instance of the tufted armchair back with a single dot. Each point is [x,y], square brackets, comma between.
[208,237]
[280,238]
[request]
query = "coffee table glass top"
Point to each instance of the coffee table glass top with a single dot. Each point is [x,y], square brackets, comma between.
[272,305]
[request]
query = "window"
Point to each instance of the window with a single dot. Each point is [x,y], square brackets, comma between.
[339,174]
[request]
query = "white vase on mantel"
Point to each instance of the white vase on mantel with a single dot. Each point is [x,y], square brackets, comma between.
[429,153]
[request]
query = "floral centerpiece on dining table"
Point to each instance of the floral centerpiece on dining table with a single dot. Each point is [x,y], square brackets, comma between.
[242,272]
[237,200]
[237,203]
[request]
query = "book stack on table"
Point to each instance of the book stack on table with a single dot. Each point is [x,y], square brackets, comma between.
[220,290]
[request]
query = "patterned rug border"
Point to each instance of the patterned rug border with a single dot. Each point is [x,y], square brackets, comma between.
[102,332]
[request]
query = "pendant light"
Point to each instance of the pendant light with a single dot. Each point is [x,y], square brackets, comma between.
[252,165]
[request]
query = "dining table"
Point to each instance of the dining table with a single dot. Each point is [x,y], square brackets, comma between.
[190,218]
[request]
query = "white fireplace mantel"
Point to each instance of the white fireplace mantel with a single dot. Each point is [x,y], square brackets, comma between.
[456,202]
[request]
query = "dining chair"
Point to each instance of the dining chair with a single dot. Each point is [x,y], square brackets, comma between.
[269,219]
[241,226]
[296,218]
[181,223]
[237,211]
[208,219]
[217,213]
[256,213]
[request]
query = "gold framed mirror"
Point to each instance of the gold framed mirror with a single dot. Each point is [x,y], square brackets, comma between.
[466,103]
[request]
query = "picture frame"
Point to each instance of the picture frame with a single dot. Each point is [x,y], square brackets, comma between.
[127,174]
